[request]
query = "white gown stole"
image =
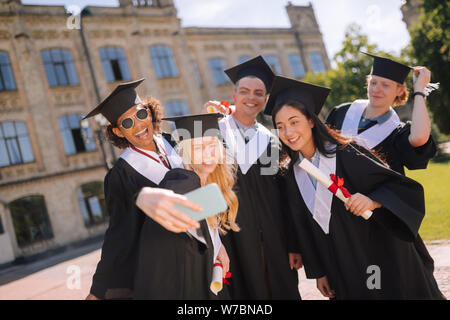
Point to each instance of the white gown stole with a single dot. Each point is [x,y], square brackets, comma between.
[245,154]
[317,200]
[371,137]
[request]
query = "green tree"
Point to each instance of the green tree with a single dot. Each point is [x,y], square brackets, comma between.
[347,80]
[430,39]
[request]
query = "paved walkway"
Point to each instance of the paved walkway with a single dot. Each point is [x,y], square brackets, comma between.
[71,279]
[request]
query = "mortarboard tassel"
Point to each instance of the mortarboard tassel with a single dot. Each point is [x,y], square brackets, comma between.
[430,88]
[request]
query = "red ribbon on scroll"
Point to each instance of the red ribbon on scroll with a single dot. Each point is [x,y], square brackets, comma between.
[227,275]
[338,183]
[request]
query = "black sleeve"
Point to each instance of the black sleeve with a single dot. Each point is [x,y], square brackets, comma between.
[331,118]
[169,139]
[116,266]
[304,237]
[402,199]
[292,243]
[336,116]
[411,157]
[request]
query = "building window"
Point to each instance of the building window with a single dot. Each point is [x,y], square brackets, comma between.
[242,59]
[197,75]
[30,220]
[163,61]
[7,81]
[75,137]
[15,146]
[114,64]
[316,62]
[274,64]
[218,66]
[296,65]
[176,108]
[92,203]
[59,67]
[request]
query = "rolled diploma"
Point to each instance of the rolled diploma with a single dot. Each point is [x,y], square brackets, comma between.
[211,109]
[216,282]
[314,172]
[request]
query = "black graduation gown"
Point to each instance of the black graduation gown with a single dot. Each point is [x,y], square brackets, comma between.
[354,245]
[398,153]
[174,265]
[114,275]
[258,253]
[395,149]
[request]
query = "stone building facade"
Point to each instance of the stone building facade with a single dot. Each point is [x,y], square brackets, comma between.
[55,67]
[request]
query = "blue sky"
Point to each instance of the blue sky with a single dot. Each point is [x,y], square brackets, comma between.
[381,20]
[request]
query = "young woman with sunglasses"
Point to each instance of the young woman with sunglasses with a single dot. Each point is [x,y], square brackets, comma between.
[135,125]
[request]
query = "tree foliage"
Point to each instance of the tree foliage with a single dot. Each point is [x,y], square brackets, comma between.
[430,41]
[347,80]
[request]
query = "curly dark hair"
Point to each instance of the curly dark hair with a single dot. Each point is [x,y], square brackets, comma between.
[157,112]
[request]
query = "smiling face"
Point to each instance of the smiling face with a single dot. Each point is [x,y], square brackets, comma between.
[141,133]
[382,91]
[205,154]
[249,97]
[295,129]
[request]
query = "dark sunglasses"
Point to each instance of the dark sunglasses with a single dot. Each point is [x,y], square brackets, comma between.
[128,123]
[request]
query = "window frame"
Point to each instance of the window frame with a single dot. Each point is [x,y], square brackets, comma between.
[68,121]
[7,65]
[54,69]
[20,144]
[218,71]
[314,61]
[295,64]
[45,221]
[163,61]
[106,57]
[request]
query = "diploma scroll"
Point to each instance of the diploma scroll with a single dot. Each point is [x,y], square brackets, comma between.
[314,172]
[229,109]
[217,281]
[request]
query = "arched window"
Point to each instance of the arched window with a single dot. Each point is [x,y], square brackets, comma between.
[30,220]
[114,64]
[92,203]
[59,67]
[15,146]
[163,61]
[7,81]
[76,138]
[218,66]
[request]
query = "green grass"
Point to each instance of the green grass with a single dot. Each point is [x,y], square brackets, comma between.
[436,182]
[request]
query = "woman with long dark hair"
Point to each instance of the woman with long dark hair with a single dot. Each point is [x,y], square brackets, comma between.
[351,257]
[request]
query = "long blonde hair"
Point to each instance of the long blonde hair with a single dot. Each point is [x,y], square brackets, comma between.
[224,175]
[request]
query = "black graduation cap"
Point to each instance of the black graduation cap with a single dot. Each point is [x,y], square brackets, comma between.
[120,100]
[255,67]
[198,125]
[283,89]
[388,68]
